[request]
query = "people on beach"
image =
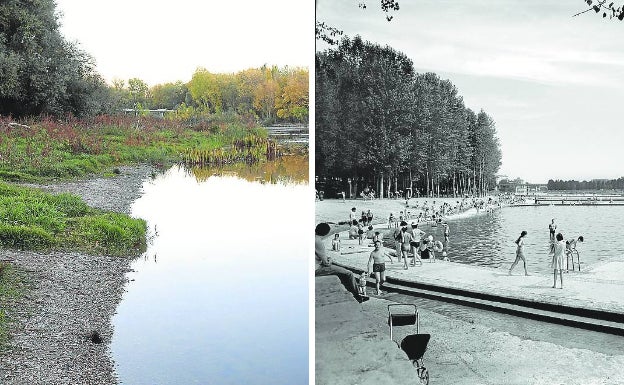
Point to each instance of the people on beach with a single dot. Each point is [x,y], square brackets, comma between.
[377,258]
[391,221]
[324,264]
[520,253]
[417,234]
[397,235]
[446,234]
[369,217]
[353,230]
[360,232]
[336,242]
[552,228]
[370,232]
[570,249]
[406,239]
[557,260]
[352,215]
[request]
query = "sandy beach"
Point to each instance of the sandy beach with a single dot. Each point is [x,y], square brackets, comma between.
[463,350]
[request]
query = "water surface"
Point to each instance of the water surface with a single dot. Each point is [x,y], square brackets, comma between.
[488,240]
[221,295]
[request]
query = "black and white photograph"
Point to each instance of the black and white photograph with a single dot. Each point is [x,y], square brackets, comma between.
[469,192]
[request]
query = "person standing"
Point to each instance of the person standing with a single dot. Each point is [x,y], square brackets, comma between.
[520,253]
[406,240]
[324,266]
[557,260]
[352,216]
[552,228]
[379,267]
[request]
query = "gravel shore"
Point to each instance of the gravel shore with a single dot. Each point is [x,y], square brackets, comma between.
[70,297]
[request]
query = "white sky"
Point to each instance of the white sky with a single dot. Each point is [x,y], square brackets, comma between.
[552,83]
[164,41]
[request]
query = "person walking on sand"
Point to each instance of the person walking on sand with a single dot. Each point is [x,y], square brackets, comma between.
[379,267]
[520,253]
[552,228]
[557,260]
[324,266]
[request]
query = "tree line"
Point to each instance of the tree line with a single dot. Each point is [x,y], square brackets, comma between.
[269,93]
[594,184]
[43,74]
[380,124]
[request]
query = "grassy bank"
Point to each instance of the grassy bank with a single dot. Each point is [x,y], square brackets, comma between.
[33,220]
[48,149]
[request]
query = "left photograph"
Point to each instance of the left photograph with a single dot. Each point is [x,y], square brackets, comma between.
[154,178]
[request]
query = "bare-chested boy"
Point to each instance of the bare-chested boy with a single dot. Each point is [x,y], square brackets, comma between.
[379,267]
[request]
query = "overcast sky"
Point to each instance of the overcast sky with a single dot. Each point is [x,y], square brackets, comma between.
[553,83]
[164,41]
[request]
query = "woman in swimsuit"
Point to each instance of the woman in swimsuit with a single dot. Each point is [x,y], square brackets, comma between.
[520,253]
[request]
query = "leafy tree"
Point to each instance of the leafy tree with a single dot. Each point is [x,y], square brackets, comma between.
[600,7]
[380,124]
[168,95]
[39,71]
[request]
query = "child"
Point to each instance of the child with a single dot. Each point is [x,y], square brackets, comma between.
[336,242]
[360,232]
[391,221]
[362,284]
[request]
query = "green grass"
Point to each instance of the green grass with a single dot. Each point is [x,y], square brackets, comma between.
[47,149]
[33,220]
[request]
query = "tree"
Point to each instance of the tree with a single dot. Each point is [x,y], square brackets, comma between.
[600,7]
[39,71]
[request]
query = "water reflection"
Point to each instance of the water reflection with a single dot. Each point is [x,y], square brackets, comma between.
[221,293]
[291,169]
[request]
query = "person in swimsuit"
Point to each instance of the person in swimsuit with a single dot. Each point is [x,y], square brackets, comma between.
[379,267]
[552,227]
[324,264]
[336,242]
[571,248]
[406,239]
[557,260]
[520,253]
[417,234]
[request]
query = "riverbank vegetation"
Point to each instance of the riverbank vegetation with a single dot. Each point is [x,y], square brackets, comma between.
[381,124]
[49,148]
[31,219]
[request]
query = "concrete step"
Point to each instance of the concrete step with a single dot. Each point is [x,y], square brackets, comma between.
[552,316]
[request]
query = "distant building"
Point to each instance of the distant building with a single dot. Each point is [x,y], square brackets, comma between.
[520,187]
[159,113]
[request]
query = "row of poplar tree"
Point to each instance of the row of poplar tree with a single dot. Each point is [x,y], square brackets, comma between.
[382,124]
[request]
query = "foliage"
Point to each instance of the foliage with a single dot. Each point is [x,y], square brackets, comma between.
[50,148]
[594,184]
[601,7]
[381,124]
[33,220]
[39,71]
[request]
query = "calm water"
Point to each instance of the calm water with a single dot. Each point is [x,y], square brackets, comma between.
[221,296]
[489,239]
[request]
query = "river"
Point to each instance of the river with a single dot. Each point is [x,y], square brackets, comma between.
[221,295]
